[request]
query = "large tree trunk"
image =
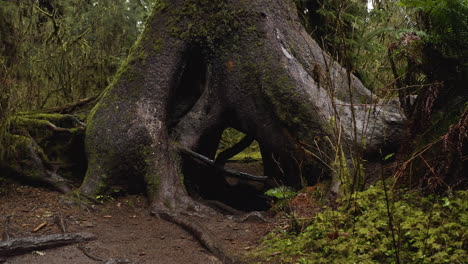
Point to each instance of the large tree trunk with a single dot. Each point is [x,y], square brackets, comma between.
[203,66]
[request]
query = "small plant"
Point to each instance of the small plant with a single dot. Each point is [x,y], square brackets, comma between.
[280,193]
[103,198]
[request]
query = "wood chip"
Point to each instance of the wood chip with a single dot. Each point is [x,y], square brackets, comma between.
[39,227]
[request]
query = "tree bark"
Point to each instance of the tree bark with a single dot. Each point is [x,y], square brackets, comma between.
[249,65]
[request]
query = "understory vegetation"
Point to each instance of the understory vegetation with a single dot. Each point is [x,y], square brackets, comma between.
[376,226]
[397,48]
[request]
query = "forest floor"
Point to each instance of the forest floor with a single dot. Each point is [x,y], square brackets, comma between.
[124,229]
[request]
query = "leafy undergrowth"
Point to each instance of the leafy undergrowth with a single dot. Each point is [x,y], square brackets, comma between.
[366,229]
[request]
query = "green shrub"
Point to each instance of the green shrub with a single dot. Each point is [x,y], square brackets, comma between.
[421,230]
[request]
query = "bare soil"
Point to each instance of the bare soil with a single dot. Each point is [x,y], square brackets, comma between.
[123,227]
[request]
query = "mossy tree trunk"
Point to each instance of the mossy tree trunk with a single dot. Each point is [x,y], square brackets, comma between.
[203,66]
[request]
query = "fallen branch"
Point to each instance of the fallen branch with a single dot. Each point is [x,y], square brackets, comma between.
[210,163]
[21,245]
[70,108]
[225,155]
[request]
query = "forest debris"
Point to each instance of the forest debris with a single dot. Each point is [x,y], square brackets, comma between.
[107,216]
[17,246]
[39,227]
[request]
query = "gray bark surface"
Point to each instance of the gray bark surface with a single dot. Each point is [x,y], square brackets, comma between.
[266,78]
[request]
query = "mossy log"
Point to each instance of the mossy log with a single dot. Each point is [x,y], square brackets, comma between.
[45,148]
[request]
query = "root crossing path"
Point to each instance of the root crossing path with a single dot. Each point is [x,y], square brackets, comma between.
[124,229]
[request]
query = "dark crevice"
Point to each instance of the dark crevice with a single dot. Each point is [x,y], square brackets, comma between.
[190,87]
[210,183]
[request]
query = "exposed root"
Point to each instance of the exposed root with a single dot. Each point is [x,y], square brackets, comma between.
[203,235]
[81,200]
[224,208]
[86,252]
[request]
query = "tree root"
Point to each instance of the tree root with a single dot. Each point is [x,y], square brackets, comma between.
[80,200]
[87,253]
[203,235]
[223,208]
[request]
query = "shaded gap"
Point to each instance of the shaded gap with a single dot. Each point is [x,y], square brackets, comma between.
[190,87]
[211,184]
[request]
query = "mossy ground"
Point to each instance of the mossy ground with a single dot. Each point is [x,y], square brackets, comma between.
[430,229]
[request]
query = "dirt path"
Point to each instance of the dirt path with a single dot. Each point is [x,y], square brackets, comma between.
[123,227]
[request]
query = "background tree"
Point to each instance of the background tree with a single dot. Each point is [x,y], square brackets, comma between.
[53,53]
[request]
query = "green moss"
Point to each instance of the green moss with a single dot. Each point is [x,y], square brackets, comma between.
[153,181]
[214,25]
[43,116]
[152,178]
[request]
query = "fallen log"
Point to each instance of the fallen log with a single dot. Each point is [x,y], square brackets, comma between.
[211,163]
[17,246]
